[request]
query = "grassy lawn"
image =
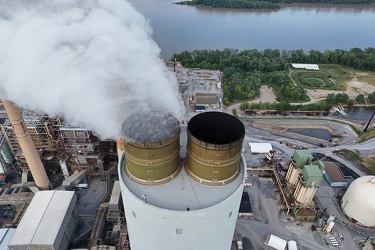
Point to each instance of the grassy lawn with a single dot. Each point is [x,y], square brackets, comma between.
[330,77]
[369,163]
[369,79]
[370,133]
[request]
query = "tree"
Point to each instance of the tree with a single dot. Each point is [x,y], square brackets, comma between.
[341,98]
[360,98]
[371,97]
[331,98]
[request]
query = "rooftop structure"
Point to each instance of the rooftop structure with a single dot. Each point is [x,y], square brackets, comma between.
[312,175]
[302,158]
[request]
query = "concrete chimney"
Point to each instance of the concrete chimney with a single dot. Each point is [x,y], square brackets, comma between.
[27,145]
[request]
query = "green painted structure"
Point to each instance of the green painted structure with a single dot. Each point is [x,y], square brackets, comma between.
[302,158]
[312,175]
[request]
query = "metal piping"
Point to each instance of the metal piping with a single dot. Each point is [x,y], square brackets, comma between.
[27,146]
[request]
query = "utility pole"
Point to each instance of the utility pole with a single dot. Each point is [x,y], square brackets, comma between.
[369,122]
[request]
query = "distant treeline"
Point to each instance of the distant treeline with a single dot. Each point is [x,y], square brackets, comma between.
[266,4]
[245,71]
[233,4]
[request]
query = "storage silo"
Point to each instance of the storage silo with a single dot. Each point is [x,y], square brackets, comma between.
[356,202]
[171,204]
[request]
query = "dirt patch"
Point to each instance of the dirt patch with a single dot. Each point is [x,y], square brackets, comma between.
[355,88]
[266,95]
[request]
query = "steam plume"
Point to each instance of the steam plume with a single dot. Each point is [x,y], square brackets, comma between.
[91,61]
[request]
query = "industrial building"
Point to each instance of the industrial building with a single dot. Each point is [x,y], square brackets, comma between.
[305,66]
[334,176]
[260,148]
[48,223]
[204,101]
[303,179]
[189,203]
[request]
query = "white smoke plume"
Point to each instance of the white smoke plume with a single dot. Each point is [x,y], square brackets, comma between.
[90,61]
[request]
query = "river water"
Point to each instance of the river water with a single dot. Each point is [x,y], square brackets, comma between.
[356,113]
[303,26]
[299,26]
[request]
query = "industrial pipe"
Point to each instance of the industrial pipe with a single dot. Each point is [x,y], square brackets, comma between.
[27,145]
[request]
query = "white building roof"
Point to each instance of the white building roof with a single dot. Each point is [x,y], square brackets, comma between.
[305,66]
[276,242]
[43,219]
[357,202]
[260,148]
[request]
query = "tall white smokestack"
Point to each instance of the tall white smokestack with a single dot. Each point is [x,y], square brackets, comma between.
[27,145]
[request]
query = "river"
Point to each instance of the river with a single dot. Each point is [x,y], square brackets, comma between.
[303,26]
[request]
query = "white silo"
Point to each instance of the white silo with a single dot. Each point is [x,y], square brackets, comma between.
[191,204]
[357,203]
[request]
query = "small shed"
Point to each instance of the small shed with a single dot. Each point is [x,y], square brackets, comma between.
[260,148]
[276,242]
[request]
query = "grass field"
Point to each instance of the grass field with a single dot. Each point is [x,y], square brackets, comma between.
[329,77]
[369,163]
[369,79]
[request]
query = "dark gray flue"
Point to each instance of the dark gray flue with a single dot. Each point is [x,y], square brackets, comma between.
[150,126]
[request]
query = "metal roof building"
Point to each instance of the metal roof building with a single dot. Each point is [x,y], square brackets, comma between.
[305,66]
[260,148]
[334,176]
[276,242]
[48,222]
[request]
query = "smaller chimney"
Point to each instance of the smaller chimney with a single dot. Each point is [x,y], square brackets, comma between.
[27,145]
[120,148]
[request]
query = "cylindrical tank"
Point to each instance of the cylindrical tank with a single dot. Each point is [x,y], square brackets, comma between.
[214,148]
[292,174]
[357,202]
[152,147]
[304,195]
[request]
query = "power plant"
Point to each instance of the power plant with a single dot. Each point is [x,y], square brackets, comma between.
[173,202]
[166,184]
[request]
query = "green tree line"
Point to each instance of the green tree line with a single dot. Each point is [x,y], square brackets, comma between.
[245,71]
[326,105]
[233,4]
[265,4]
